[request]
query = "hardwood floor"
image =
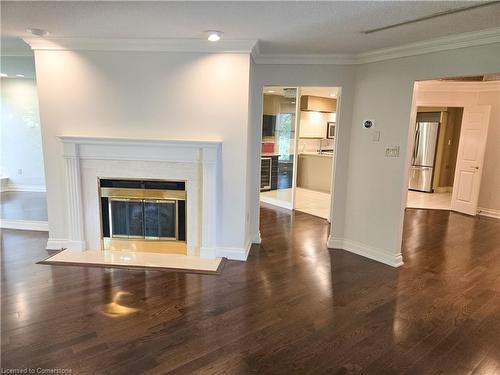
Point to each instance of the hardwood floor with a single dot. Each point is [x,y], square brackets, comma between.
[293,308]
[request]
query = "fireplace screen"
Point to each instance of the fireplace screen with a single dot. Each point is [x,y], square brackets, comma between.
[149,219]
[143,215]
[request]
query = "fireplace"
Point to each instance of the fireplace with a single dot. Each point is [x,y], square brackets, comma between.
[143,215]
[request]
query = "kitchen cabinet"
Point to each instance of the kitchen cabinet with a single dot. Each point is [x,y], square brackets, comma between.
[314,171]
[317,104]
[268,125]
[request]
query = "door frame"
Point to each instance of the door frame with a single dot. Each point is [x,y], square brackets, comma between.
[411,135]
[297,131]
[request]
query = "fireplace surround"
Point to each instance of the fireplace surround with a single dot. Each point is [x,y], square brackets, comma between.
[88,159]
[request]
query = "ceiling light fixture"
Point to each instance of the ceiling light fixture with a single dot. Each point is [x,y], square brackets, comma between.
[271,91]
[20,75]
[332,94]
[38,32]
[4,75]
[214,36]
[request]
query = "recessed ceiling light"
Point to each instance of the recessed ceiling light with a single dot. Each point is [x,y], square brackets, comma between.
[38,32]
[271,91]
[214,36]
[20,75]
[4,75]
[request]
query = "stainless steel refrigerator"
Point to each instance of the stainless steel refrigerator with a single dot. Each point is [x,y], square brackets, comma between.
[424,155]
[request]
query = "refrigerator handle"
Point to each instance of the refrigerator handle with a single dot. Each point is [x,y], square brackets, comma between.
[417,139]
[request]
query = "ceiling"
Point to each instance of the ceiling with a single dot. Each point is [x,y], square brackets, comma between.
[298,27]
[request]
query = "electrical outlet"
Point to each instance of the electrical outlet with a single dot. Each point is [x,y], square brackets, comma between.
[392,152]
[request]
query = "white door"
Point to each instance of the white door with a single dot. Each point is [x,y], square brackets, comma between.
[470,159]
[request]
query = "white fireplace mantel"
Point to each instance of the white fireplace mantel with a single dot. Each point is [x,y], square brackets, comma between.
[197,162]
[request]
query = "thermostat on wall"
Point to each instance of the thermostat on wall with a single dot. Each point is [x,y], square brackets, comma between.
[368,124]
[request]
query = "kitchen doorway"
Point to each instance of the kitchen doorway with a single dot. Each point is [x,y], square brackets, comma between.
[453,145]
[299,125]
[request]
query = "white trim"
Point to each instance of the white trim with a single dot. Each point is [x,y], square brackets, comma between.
[380,255]
[445,86]
[316,59]
[234,253]
[56,244]
[489,212]
[450,42]
[196,162]
[138,44]
[256,238]
[59,244]
[42,226]
[30,188]
[470,39]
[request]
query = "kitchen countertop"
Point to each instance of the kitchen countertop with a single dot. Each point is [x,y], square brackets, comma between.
[316,154]
[269,154]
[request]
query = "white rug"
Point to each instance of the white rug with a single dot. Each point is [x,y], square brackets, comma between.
[136,260]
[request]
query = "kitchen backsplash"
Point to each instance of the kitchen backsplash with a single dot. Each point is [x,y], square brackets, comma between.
[312,145]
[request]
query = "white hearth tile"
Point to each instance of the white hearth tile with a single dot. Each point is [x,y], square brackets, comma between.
[135,259]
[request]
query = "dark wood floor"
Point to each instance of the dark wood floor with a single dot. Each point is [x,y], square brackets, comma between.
[293,308]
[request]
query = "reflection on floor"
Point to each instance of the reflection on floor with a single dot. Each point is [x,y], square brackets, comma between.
[309,201]
[436,201]
[21,205]
[313,202]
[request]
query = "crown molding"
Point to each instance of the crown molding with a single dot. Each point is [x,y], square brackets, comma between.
[476,38]
[160,45]
[447,86]
[318,59]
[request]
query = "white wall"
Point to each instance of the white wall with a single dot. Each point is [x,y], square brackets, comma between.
[21,142]
[369,194]
[148,95]
[302,75]
[457,94]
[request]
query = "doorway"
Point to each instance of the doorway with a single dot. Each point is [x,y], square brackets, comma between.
[452,145]
[299,125]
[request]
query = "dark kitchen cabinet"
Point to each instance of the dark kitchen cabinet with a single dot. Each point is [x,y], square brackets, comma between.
[269,173]
[268,125]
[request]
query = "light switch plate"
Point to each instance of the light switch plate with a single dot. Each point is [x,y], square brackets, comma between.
[392,152]
[376,136]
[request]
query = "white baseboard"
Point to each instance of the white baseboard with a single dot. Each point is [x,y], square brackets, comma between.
[366,251]
[30,188]
[42,226]
[58,244]
[256,238]
[489,212]
[234,253]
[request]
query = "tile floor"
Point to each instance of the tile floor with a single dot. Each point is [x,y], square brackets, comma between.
[436,201]
[309,201]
